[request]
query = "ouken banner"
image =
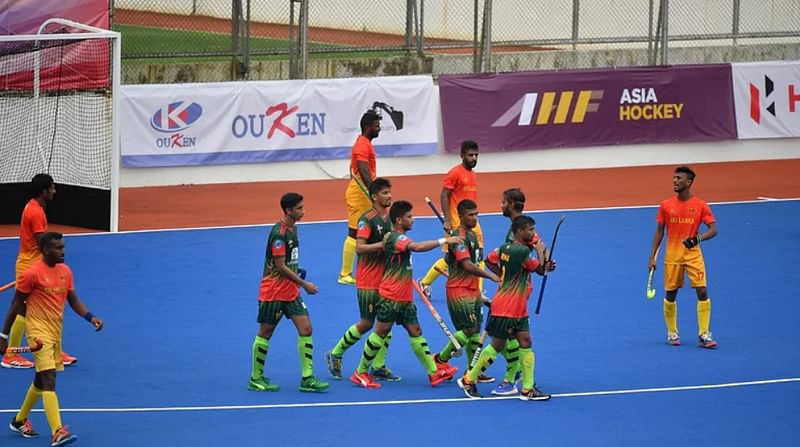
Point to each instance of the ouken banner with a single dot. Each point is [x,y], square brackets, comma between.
[767,97]
[269,121]
[530,110]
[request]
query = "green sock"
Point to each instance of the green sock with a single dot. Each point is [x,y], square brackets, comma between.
[380,358]
[260,348]
[420,347]
[351,337]
[472,346]
[447,352]
[488,355]
[511,354]
[305,349]
[371,347]
[528,363]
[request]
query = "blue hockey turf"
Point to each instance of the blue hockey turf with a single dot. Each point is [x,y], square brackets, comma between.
[171,365]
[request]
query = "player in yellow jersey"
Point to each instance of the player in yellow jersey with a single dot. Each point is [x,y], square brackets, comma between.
[363,170]
[42,291]
[682,216]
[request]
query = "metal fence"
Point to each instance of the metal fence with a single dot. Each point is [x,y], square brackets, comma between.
[454,36]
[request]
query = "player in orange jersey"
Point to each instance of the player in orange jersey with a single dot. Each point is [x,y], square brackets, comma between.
[681,216]
[42,291]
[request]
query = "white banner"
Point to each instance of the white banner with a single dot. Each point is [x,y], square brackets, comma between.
[767,99]
[267,121]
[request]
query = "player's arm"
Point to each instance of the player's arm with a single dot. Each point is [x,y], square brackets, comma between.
[533,265]
[80,308]
[18,304]
[444,198]
[362,247]
[651,264]
[286,272]
[363,171]
[473,269]
[430,245]
[710,232]
[493,262]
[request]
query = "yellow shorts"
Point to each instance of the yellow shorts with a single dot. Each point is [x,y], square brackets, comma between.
[49,357]
[695,269]
[357,204]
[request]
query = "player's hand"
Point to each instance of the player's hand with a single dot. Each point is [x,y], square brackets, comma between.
[493,277]
[692,241]
[651,264]
[97,323]
[310,287]
[454,240]
[550,265]
[447,227]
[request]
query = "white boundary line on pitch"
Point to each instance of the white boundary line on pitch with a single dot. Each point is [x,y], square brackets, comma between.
[415,401]
[760,199]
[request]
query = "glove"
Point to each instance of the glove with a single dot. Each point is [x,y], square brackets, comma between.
[692,241]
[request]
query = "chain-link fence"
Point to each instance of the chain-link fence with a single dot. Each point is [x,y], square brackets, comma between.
[278,39]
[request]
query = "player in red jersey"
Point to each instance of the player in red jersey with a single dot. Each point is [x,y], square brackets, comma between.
[396,302]
[681,216]
[514,262]
[373,227]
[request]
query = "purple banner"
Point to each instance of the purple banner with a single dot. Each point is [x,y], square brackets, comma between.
[532,110]
[25,16]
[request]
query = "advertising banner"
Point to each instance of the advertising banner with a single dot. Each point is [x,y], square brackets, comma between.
[529,110]
[767,97]
[254,122]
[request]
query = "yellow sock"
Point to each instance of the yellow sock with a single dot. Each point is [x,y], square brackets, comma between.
[432,274]
[17,331]
[31,397]
[703,316]
[51,410]
[348,256]
[482,265]
[671,315]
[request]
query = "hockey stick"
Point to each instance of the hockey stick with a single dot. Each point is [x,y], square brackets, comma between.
[21,349]
[651,291]
[549,258]
[439,320]
[10,285]
[434,209]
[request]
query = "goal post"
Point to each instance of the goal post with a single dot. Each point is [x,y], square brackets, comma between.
[58,115]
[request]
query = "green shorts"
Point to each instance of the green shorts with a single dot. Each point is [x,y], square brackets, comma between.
[505,328]
[270,312]
[402,313]
[368,303]
[465,313]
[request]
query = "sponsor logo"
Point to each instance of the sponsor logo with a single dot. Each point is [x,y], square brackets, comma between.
[768,95]
[279,119]
[551,108]
[641,103]
[176,116]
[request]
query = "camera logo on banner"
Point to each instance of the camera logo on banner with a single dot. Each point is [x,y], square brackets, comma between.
[173,119]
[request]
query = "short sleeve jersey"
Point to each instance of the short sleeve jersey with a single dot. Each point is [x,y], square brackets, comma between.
[282,242]
[459,278]
[363,151]
[516,263]
[682,220]
[463,184]
[397,282]
[33,221]
[369,268]
[47,288]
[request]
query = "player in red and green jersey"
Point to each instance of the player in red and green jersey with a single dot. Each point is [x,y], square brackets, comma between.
[514,262]
[396,300]
[682,216]
[373,226]
[42,291]
[279,294]
[464,297]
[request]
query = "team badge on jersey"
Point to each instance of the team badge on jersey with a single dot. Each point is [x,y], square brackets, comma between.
[277,245]
[361,224]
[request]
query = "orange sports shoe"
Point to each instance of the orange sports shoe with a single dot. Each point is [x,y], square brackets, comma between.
[67,359]
[16,361]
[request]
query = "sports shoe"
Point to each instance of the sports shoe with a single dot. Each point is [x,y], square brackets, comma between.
[533,394]
[347,280]
[334,365]
[707,341]
[313,385]
[24,428]
[16,361]
[62,437]
[67,359]
[364,380]
[470,389]
[442,375]
[440,364]
[505,389]
[426,289]
[384,373]
[483,378]
[674,339]
[262,384]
